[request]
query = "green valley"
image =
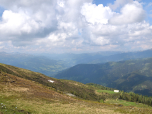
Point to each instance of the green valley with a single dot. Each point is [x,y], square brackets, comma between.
[40,64]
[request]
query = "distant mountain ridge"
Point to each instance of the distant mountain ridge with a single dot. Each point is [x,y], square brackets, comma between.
[53,63]
[99,57]
[35,63]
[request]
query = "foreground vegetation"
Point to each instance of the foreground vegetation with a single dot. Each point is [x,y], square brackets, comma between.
[27,92]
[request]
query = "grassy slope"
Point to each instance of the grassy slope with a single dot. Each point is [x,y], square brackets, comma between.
[61,86]
[21,91]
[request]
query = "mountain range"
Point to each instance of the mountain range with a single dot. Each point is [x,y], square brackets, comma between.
[51,64]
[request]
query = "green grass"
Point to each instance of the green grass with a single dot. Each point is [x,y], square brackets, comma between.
[126,103]
[8,106]
[106,91]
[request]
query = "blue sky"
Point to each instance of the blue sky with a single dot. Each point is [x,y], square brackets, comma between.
[75,25]
[1,11]
[104,2]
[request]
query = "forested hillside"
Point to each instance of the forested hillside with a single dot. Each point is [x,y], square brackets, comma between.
[131,75]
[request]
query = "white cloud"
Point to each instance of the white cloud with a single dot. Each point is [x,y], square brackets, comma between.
[130,13]
[26,23]
[75,25]
[96,14]
[15,23]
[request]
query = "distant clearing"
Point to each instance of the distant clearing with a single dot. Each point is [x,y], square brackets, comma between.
[106,91]
[126,103]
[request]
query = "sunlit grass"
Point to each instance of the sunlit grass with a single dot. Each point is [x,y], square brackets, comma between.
[20,105]
[106,91]
[126,103]
[17,103]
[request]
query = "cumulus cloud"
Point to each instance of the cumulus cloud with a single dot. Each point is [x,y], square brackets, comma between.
[76,25]
[96,14]
[23,22]
[130,13]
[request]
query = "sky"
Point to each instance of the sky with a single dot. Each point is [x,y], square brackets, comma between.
[75,26]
